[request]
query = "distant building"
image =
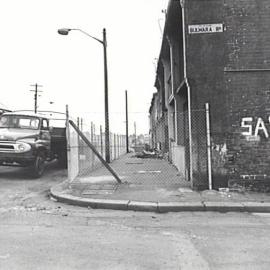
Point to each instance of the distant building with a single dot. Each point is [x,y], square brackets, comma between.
[158,124]
[215,52]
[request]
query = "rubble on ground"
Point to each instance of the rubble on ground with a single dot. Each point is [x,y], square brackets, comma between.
[149,154]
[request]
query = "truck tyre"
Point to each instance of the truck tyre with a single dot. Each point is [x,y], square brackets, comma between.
[39,165]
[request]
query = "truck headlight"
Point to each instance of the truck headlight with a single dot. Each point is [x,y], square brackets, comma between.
[22,147]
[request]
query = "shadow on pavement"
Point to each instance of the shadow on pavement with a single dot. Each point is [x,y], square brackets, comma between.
[24,173]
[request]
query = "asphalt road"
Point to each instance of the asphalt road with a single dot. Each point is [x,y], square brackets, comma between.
[39,233]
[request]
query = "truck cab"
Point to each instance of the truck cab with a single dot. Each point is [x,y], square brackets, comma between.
[26,139]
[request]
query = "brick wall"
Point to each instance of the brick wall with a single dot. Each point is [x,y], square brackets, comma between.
[231,71]
[247,85]
[247,33]
[205,65]
[205,57]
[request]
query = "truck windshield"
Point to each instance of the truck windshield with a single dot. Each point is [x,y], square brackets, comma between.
[19,121]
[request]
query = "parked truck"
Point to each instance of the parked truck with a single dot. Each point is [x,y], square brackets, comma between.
[29,140]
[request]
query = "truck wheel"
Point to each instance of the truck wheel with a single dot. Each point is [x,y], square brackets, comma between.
[39,165]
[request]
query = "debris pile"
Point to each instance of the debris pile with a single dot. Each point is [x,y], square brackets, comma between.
[149,154]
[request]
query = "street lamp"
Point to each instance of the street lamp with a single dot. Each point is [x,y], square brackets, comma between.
[65,31]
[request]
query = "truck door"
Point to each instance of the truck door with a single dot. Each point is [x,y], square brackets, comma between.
[45,135]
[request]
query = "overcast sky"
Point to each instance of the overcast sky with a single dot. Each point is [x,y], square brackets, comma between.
[70,68]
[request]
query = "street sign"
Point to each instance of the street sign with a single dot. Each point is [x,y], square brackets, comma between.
[205,28]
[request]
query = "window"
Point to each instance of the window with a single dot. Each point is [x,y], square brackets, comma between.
[45,124]
[4,121]
[19,121]
[31,123]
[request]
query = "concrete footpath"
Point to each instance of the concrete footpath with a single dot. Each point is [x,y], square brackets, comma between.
[152,185]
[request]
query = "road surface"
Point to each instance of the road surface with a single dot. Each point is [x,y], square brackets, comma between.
[39,233]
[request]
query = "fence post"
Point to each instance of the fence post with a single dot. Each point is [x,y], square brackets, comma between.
[208,134]
[124,142]
[101,141]
[81,124]
[114,148]
[94,142]
[122,145]
[78,141]
[98,143]
[68,144]
[94,128]
[127,149]
[111,146]
[92,138]
[118,145]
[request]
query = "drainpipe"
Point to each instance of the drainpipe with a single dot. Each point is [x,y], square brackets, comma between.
[171,45]
[182,3]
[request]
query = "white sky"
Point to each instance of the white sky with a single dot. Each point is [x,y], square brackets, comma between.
[70,68]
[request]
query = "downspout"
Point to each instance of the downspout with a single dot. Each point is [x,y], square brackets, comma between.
[173,87]
[182,3]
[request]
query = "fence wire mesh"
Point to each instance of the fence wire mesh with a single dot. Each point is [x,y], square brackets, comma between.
[82,160]
[170,135]
[158,158]
[199,149]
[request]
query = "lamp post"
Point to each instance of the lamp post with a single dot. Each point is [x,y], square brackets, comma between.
[65,31]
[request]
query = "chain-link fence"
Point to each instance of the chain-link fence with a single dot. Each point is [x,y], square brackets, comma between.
[82,159]
[171,136]
[161,157]
[199,149]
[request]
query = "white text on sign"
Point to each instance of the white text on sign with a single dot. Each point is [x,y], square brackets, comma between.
[205,28]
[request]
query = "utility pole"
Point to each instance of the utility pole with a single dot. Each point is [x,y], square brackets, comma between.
[107,128]
[36,95]
[127,149]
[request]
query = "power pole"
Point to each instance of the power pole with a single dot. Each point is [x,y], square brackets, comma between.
[36,95]
[127,149]
[107,128]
